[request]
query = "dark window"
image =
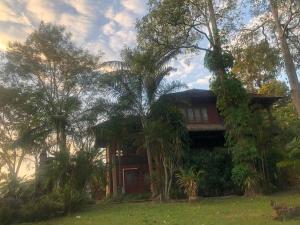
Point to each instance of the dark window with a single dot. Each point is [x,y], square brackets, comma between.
[204,114]
[190,114]
[195,115]
[131,177]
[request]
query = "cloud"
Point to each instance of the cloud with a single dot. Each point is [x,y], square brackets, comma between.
[109,28]
[123,18]
[136,6]
[183,65]
[42,10]
[203,80]
[10,14]
[78,25]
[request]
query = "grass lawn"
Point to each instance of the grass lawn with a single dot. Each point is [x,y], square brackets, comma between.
[209,211]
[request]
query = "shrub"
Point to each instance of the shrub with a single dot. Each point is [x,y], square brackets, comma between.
[43,208]
[188,179]
[8,215]
[73,199]
[217,164]
[9,210]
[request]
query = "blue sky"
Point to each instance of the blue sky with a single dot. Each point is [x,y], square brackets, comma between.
[98,25]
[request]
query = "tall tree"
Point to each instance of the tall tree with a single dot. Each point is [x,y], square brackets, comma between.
[49,64]
[137,84]
[286,52]
[167,134]
[189,26]
[280,23]
[18,128]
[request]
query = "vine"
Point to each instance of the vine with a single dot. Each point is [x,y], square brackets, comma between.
[233,104]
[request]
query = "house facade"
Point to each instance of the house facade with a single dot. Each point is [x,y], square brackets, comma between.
[128,169]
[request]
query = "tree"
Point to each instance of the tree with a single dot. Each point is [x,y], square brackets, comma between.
[286,53]
[189,26]
[12,124]
[50,65]
[137,84]
[283,29]
[168,139]
[256,64]
[20,130]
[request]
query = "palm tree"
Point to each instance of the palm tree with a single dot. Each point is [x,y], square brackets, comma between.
[136,84]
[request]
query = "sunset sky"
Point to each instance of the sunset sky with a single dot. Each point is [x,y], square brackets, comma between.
[98,25]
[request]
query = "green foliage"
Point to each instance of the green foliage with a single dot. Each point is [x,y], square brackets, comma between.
[43,208]
[189,180]
[293,148]
[247,178]
[217,164]
[233,103]
[214,62]
[256,65]
[56,73]
[73,200]
[180,26]
[274,88]
[168,140]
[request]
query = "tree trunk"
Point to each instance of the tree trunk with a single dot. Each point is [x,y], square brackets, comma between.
[114,172]
[150,167]
[149,159]
[288,59]
[217,47]
[61,133]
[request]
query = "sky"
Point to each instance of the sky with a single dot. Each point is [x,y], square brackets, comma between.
[99,25]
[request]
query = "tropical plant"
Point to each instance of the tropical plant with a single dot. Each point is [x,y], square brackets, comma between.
[137,83]
[168,138]
[189,179]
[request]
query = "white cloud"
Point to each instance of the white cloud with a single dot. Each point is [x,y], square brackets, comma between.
[136,6]
[79,26]
[123,18]
[42,10]
[184,65]
[203,80]
[7,13]
[109,28]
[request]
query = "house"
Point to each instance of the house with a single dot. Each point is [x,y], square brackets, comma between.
[128,167]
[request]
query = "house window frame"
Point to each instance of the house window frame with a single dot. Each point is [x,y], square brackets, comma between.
[200,110]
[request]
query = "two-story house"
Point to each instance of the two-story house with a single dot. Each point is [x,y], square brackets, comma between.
[129,168]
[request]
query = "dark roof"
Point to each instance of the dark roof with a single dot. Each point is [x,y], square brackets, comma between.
[199,93]
[208,95]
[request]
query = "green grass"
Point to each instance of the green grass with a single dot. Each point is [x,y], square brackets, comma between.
[209,211]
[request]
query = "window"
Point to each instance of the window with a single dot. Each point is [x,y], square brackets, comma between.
[204,114]
[190,114]
[195,115]
[131,177]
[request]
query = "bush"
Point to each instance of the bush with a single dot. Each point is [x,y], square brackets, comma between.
[8,215]
[217,164]
[54,204]
[43,208]
[74,200]
[9,210]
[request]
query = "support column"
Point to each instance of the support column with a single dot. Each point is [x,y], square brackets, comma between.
[114,172]
[108,172]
